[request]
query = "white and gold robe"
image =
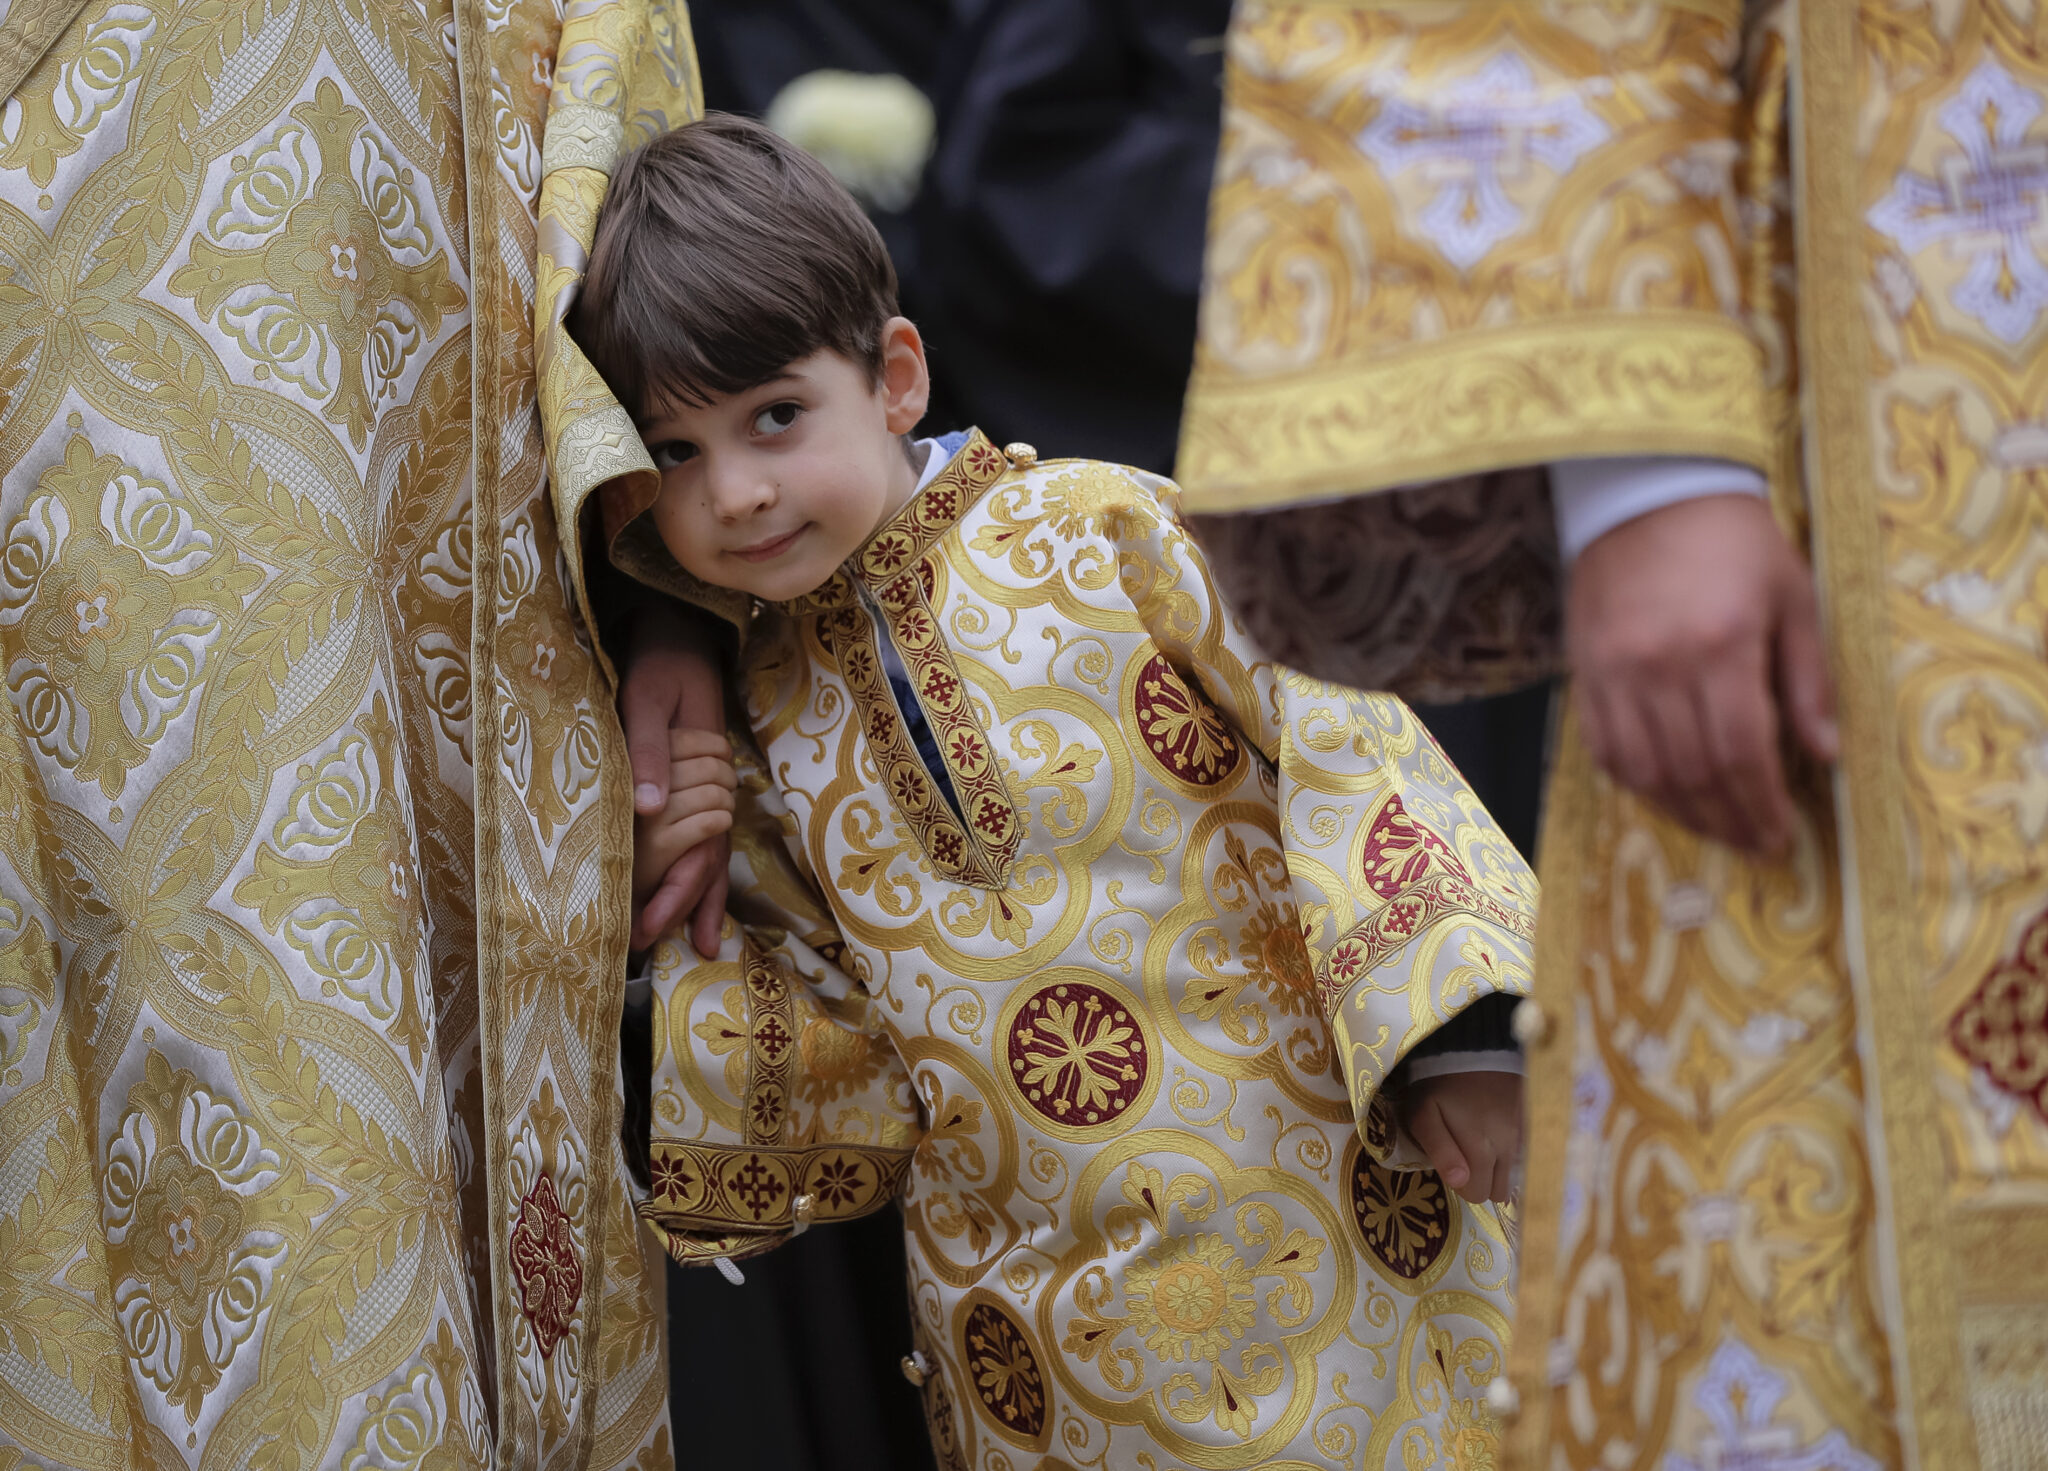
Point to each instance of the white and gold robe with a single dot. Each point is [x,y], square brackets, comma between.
[1111,1010]
[315,821]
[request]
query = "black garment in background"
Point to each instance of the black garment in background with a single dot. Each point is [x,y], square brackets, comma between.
[748,50]
[797,1369]
[1060,228]
[1498,746]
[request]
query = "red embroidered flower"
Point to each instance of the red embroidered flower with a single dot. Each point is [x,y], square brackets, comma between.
[671,1179]
[545,1265]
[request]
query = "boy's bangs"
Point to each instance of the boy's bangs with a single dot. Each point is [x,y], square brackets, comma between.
[724,254]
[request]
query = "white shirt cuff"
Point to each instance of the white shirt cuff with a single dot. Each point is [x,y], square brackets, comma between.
[1443,1064]
[1592,497]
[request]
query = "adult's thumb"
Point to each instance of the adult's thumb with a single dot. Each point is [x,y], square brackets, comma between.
[647,705]
[1803,681]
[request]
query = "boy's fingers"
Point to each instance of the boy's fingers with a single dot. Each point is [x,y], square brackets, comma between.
[662,906]
[685,742]
[706,780]
[1503,1178]
[1434,1136]
[710,916]
[682,888]
[1803,675]
[1479,1160]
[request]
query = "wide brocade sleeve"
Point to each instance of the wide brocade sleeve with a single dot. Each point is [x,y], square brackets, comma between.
[1450,245]
[1413,904]
[778,1098]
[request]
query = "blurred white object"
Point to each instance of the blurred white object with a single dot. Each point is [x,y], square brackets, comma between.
[873,132]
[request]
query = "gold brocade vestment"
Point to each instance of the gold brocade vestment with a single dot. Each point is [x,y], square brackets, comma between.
[1104,990]
[314,830]
[1788,1201]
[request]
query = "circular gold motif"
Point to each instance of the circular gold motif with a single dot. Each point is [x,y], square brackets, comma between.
[1181,731]
[1190,1298]
[1002,1370]
[1406,1219]
[1077,1056]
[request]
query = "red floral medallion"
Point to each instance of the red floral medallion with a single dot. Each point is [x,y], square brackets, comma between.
[1003,1371]
[1399,851]
[1182,731]
[2003,1028]
[1404,1216]
[1076,1055]
[545,1265]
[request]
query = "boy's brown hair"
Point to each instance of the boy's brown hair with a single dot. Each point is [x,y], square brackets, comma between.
[724,254]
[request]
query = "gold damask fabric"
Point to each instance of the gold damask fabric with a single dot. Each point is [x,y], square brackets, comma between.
[1110,1008]
[1447,240]
[314,827]
[1787,1176]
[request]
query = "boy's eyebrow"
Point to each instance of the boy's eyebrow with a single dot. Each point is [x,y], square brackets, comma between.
[643,423]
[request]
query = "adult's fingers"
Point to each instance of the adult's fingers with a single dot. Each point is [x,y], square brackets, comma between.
[648,699]
[1734,706]
[1632,757]
[710,916]
[1803,671]
[1433,1134]
[1686,779]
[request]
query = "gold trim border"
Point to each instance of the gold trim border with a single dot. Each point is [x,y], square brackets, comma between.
[1729,11]
[1548,1058]
[1607,383]
[779,1170]
[1917,1273]
[32,28]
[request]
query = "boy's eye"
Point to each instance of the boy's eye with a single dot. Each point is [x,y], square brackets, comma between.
[671,453]
[776,418]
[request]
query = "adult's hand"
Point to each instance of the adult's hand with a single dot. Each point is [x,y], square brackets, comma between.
[1694,638]
[671,683]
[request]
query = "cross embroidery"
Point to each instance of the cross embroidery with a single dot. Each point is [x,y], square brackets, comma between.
[1987,202]
[1474,138]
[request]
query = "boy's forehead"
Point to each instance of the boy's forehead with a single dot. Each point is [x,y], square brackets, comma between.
[665,406]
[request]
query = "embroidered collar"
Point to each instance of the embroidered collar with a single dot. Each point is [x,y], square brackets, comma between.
[900,541]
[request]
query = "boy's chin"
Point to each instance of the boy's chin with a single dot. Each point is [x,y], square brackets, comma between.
[785,584]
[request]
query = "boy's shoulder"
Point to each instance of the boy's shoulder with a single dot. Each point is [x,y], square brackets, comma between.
[1045,507]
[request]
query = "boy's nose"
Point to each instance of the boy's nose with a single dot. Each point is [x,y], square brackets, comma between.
[739,493]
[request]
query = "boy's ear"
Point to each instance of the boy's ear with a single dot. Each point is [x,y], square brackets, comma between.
[906,382]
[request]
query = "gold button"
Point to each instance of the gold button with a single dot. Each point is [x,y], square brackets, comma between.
[1021,455]
[1529,1024]
[916,1368]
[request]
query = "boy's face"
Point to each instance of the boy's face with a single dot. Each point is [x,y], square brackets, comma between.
[769,490]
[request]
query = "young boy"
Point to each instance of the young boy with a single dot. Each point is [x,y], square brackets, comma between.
[1059,916]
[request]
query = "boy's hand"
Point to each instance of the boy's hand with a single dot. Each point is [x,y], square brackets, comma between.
[701,782]
[1694,636]
[671,682]
[1470,1126]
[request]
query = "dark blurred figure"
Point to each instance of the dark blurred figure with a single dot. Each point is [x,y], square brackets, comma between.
[1060,229]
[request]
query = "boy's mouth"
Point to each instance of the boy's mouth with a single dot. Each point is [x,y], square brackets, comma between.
[763,551]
